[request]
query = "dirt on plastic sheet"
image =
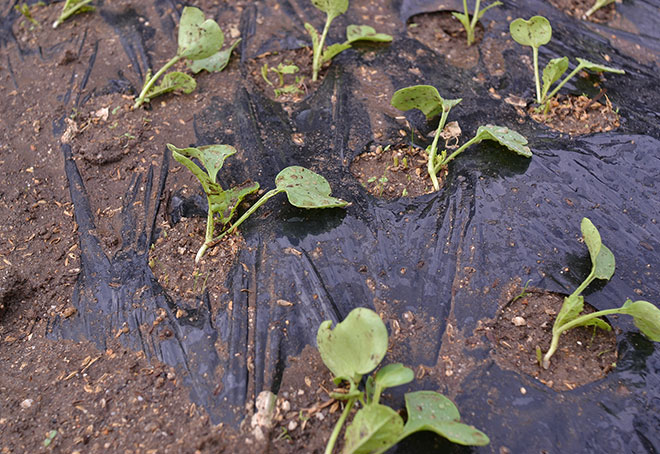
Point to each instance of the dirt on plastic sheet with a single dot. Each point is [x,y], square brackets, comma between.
[578,8]
[577,115]
[585,354]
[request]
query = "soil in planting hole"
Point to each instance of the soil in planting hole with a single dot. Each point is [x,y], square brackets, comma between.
[585,354]
[577,8]
[445,35]
[577,115]
[295,85]
[393,172]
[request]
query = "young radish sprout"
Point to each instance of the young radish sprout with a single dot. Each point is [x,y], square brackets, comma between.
[72,7]
[535,33]
[471,23]
[645,315]
[427,99]
[304,189]
[354,33]
[355,347]
[200,41]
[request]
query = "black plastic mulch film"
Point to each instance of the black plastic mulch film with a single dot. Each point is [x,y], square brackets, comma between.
[500,215]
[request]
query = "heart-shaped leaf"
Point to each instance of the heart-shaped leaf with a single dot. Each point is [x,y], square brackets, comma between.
[216,62]
[602,259]
[646,317]
[171,82]
[535,32]
[552,72]
[306,189]
[198,37]
[332,8]
[374,429]
[423,97]
[365,33]
[428,410]
[355,347]
[506,137]
[394,375]
[586,64]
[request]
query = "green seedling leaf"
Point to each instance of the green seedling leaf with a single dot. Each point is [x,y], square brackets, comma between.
[394,375]
[212,158]
[505,137]
[423,97]
[224,203]
[552,72]
[463,19]
[306,189]
[315,37]
[216,62]
[483,11]
[374,429]
[331,51]
[332,8]
[72,7]
[586,64]
[362,327]
[646,317]
[365,33]
[535,32]
[602,259]
[171,82]
[428,410]
[49,438]
[198,37]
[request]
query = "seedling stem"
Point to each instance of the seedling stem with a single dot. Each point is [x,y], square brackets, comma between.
[340,423]
[316,65]
[151,81]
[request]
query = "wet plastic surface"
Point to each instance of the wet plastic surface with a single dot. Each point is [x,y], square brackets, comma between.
[499,217]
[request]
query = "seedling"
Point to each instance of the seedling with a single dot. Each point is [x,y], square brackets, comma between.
[281,70]
[354,33]
[537,32]
[222,203]
[427,99]
[24,9]
[598,4]
[200,41]
[355,347]
[304,188]
[72,7]
[471,23]
[646,316]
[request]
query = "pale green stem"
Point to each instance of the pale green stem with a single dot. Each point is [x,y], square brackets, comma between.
[535,53]
[335,433]
[598,5]
[572,324]
[433,152]
[147,86]
[473,23]
[253,208]
[316,65]
[71,12]
[210,227]
[561,84]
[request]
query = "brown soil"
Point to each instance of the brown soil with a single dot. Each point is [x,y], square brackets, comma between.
[294,87]
[393,172]
[585,354]
[577,8]
[577,115]
[445,35]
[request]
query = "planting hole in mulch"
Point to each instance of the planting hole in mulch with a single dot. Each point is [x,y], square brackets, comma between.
[393,172]
[577,115]
[585,354]
[287,84]
[445,35]
[577,8]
